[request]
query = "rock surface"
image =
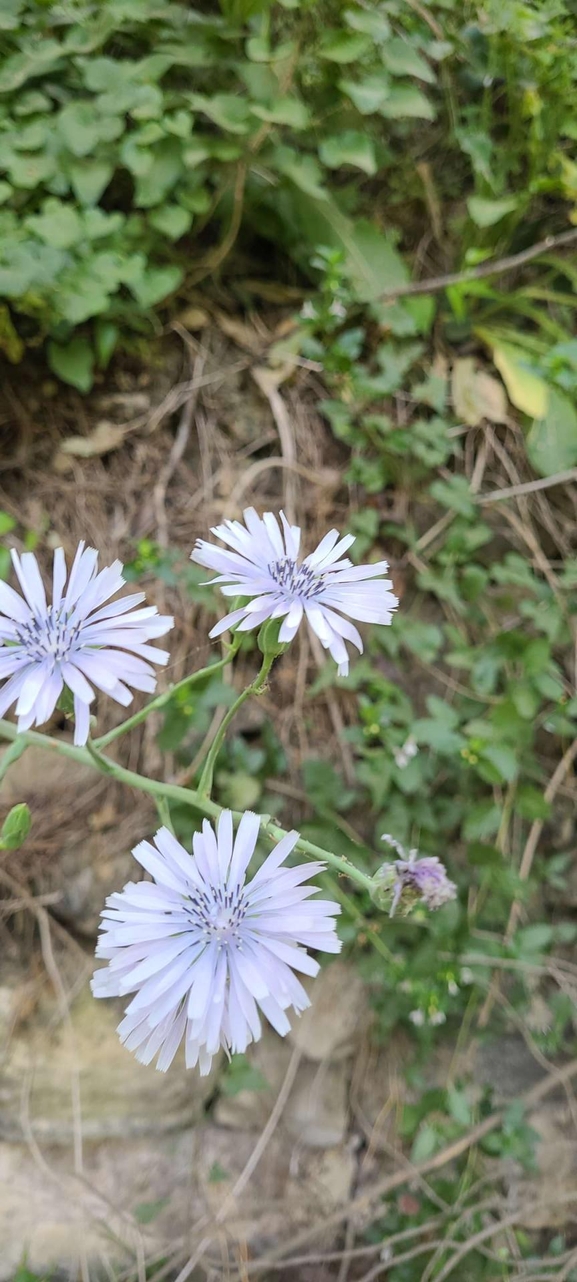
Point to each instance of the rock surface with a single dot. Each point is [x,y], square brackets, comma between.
[83,830]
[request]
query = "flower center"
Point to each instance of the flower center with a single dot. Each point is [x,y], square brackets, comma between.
[218,914]
[51,636]
[296,580]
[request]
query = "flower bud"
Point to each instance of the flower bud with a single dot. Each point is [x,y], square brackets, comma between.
[268,642]
[15,828]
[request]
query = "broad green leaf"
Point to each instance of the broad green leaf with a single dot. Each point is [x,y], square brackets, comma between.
[526,390]
[503,759]
[10,12]
[349,148]
[401,59]
[172,220]
[165,170]
[406,101]
[302,170]
[147,1212]
[58,224]
[372,23]
[89,178]
[343,46]
[485,213]
[106,336]
[30,171]
[552,440]
[373,265]
[78,127]
[156,284]
[73,362]
[6,191]
[227,110]
[369,94]
[283,111]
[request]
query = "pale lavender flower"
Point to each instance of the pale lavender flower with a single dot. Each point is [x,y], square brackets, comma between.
[411,880]
[264,565]
[204,950]
[77,641]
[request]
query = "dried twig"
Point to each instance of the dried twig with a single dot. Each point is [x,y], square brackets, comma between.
[495,267]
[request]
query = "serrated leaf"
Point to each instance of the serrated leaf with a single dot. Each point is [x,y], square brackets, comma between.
[349,148]
[73,362]
[485,213]
[552,440]
[454,493]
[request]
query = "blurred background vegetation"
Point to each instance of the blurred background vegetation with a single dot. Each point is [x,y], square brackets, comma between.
[300,177]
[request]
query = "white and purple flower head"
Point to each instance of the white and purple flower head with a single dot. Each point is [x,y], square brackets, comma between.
[77,641]
[204,950]
[412,880]
[263,563]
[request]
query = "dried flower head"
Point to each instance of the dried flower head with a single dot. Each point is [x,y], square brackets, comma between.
[77,641]
[264,564]
[204,950]
[411,880]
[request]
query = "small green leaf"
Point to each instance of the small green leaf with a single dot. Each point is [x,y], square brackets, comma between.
[455,494]
[89,178]
[78,127]
[485,213]
[349,148]
[15,828]
[172,220]
[368,94]
[342,46]
[242,1076]
[73,362]
[372,23]
[58,224]
[156,284]
[146,1212]
[402,60]
[407,102]
[283,111]
[552,440]
[106,336]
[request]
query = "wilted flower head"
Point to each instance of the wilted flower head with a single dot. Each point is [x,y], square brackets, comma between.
[204,950]
[411,880]
[264,565]
[77,641]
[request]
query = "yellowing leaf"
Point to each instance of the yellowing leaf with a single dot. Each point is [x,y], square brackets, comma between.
[476,394]
[105,437]
[525,389]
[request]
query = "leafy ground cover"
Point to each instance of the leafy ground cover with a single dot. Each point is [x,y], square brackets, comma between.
[152,155]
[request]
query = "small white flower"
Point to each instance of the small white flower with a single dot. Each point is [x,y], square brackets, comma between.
[338,309]
[437,1017]
[75,641]
[204,950]
[466,976]
[264,565]
[308,311]
[406,753]
[417,1018]
[453,987]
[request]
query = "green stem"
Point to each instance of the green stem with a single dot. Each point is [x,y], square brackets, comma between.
[256,687]
[17,747]
[162,699]
[91,756]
